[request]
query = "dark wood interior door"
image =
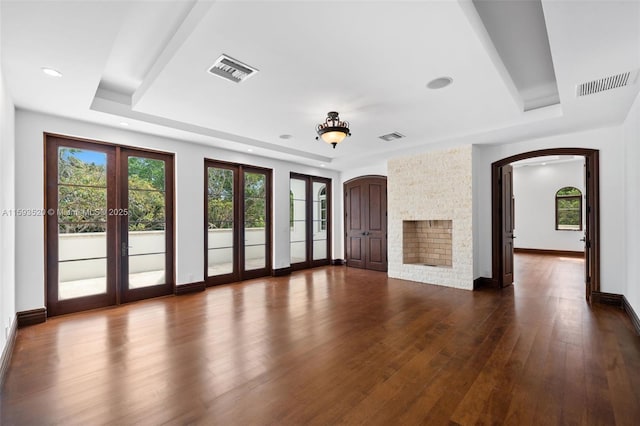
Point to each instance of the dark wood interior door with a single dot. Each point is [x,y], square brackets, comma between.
[506,187]
[366,223]
[591,229]
[354,225]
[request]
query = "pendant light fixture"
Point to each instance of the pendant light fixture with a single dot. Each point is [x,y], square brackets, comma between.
[333,131]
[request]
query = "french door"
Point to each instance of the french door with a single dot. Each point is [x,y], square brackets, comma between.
[310,221]
[109,224]
[237,222]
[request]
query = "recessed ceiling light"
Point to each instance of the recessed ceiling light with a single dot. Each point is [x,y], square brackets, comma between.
[51,72]
[286,136]
[250,150]
[544,164]
[124,123]
[439,83]
[322,165]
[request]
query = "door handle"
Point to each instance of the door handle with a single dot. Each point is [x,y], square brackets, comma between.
[125,249]
[583,239]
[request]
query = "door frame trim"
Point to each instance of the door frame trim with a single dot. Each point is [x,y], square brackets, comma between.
[592,225]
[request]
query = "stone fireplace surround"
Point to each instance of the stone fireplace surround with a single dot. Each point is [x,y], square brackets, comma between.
[436,186]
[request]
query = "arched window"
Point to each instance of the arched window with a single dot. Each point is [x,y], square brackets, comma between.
[569,209]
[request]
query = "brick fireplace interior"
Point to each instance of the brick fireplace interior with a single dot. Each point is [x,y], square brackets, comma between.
[427,242]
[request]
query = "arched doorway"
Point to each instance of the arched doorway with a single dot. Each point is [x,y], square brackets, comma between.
[502,216]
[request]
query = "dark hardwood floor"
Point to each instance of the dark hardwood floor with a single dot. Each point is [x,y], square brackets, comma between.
[337,345]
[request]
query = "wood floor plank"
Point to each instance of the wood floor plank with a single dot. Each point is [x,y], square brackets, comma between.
[336,345]
[476,401]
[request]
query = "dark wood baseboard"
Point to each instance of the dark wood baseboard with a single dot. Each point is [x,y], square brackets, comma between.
[8,350]
[607,298]
[483,282]
[338,262]
[632,314]
[34,316]
[190,288]
[565,253]
[620,301]
[281,272]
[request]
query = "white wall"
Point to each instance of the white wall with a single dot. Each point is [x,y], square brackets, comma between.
[609,141]
[631,134]
[7,221]
[379,169]
[534,190]
[189,176]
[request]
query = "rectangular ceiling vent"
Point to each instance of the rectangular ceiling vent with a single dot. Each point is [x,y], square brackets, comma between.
[607,83]
[391,136]
[232,69]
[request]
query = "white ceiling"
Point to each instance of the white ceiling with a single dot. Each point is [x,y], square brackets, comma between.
[518,31]
[145,63]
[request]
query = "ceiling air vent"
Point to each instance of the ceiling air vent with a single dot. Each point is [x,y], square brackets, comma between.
[607,83]
[391,136]
[232,69]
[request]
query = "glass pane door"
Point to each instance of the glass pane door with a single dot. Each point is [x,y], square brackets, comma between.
[145,247]
[80,234]
[310,207]
[320,220]
[146,222]
[238,222]
[109,233]
[298,220]
[220,222]
[255,221]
